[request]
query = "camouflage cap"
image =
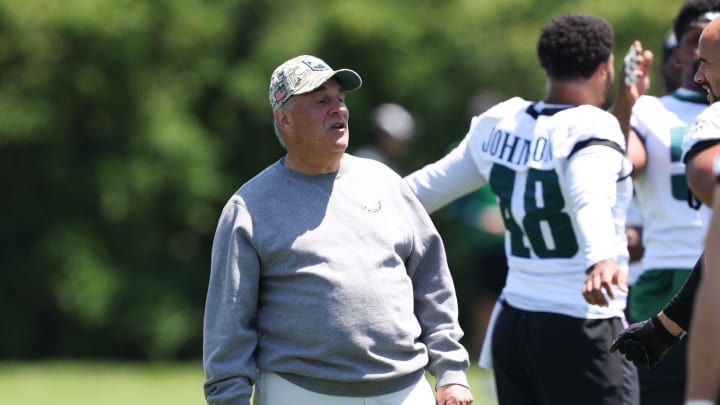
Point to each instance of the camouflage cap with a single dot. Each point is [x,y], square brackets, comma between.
[303,74]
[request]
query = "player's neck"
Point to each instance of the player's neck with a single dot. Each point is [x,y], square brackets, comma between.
[572,93]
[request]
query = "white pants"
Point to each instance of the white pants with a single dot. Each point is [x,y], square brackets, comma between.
[271,389]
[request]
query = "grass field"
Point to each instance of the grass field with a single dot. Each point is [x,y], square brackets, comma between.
[96,383]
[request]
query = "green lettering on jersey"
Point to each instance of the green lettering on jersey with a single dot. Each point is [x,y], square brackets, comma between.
[678,182]
[547,230]
[502,182]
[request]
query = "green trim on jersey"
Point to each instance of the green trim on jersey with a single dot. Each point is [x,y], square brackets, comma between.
[678,182]
[653,290]
[699,98]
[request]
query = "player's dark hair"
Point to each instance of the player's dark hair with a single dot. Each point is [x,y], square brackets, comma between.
[572,46]
[690,12]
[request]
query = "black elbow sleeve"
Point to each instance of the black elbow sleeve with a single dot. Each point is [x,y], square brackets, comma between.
[680,307]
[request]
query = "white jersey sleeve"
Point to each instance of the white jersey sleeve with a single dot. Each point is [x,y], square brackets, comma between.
[449,178]
[594,175]
[457,174]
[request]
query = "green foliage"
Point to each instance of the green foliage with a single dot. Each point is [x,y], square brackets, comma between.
[125,126]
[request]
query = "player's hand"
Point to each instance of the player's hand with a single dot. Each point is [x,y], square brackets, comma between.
[644,343]
[454,394]
[635,74]
[601,277]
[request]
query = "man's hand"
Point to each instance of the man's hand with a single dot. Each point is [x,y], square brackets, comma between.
[644,343]
[635,74]
[602,276]
[636,68]
[454,394]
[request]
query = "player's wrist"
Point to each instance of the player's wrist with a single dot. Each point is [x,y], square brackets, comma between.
[665,336]
[670,326]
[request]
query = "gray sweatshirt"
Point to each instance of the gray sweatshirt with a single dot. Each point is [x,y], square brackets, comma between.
[338,282]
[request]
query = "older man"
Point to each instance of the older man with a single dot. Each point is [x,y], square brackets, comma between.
[329,283]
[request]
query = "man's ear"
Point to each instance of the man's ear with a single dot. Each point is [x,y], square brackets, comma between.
[602,71]
[676,57]
[283,120]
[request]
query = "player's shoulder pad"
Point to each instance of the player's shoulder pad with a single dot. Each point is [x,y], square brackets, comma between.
[647,101]
[706,127]
[648,105]
[499,111]
[503,108]
[707,123]
[581,124]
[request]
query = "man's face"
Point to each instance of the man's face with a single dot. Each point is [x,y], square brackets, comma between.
[686,55]
[319,122]
[609,78]
[671,73]
[708,71]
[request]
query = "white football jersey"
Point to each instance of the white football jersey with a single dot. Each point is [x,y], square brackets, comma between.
[673,232]
[563,186]
[705,129]
[634,218]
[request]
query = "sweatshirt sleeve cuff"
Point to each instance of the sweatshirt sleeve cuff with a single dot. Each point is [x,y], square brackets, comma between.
[449,377]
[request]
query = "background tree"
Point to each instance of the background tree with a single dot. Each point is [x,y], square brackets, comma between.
[125,126]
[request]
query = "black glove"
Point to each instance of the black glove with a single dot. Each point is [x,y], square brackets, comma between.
[644,343]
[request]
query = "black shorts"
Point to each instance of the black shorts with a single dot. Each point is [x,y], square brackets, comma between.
[664,384]
[543,358]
